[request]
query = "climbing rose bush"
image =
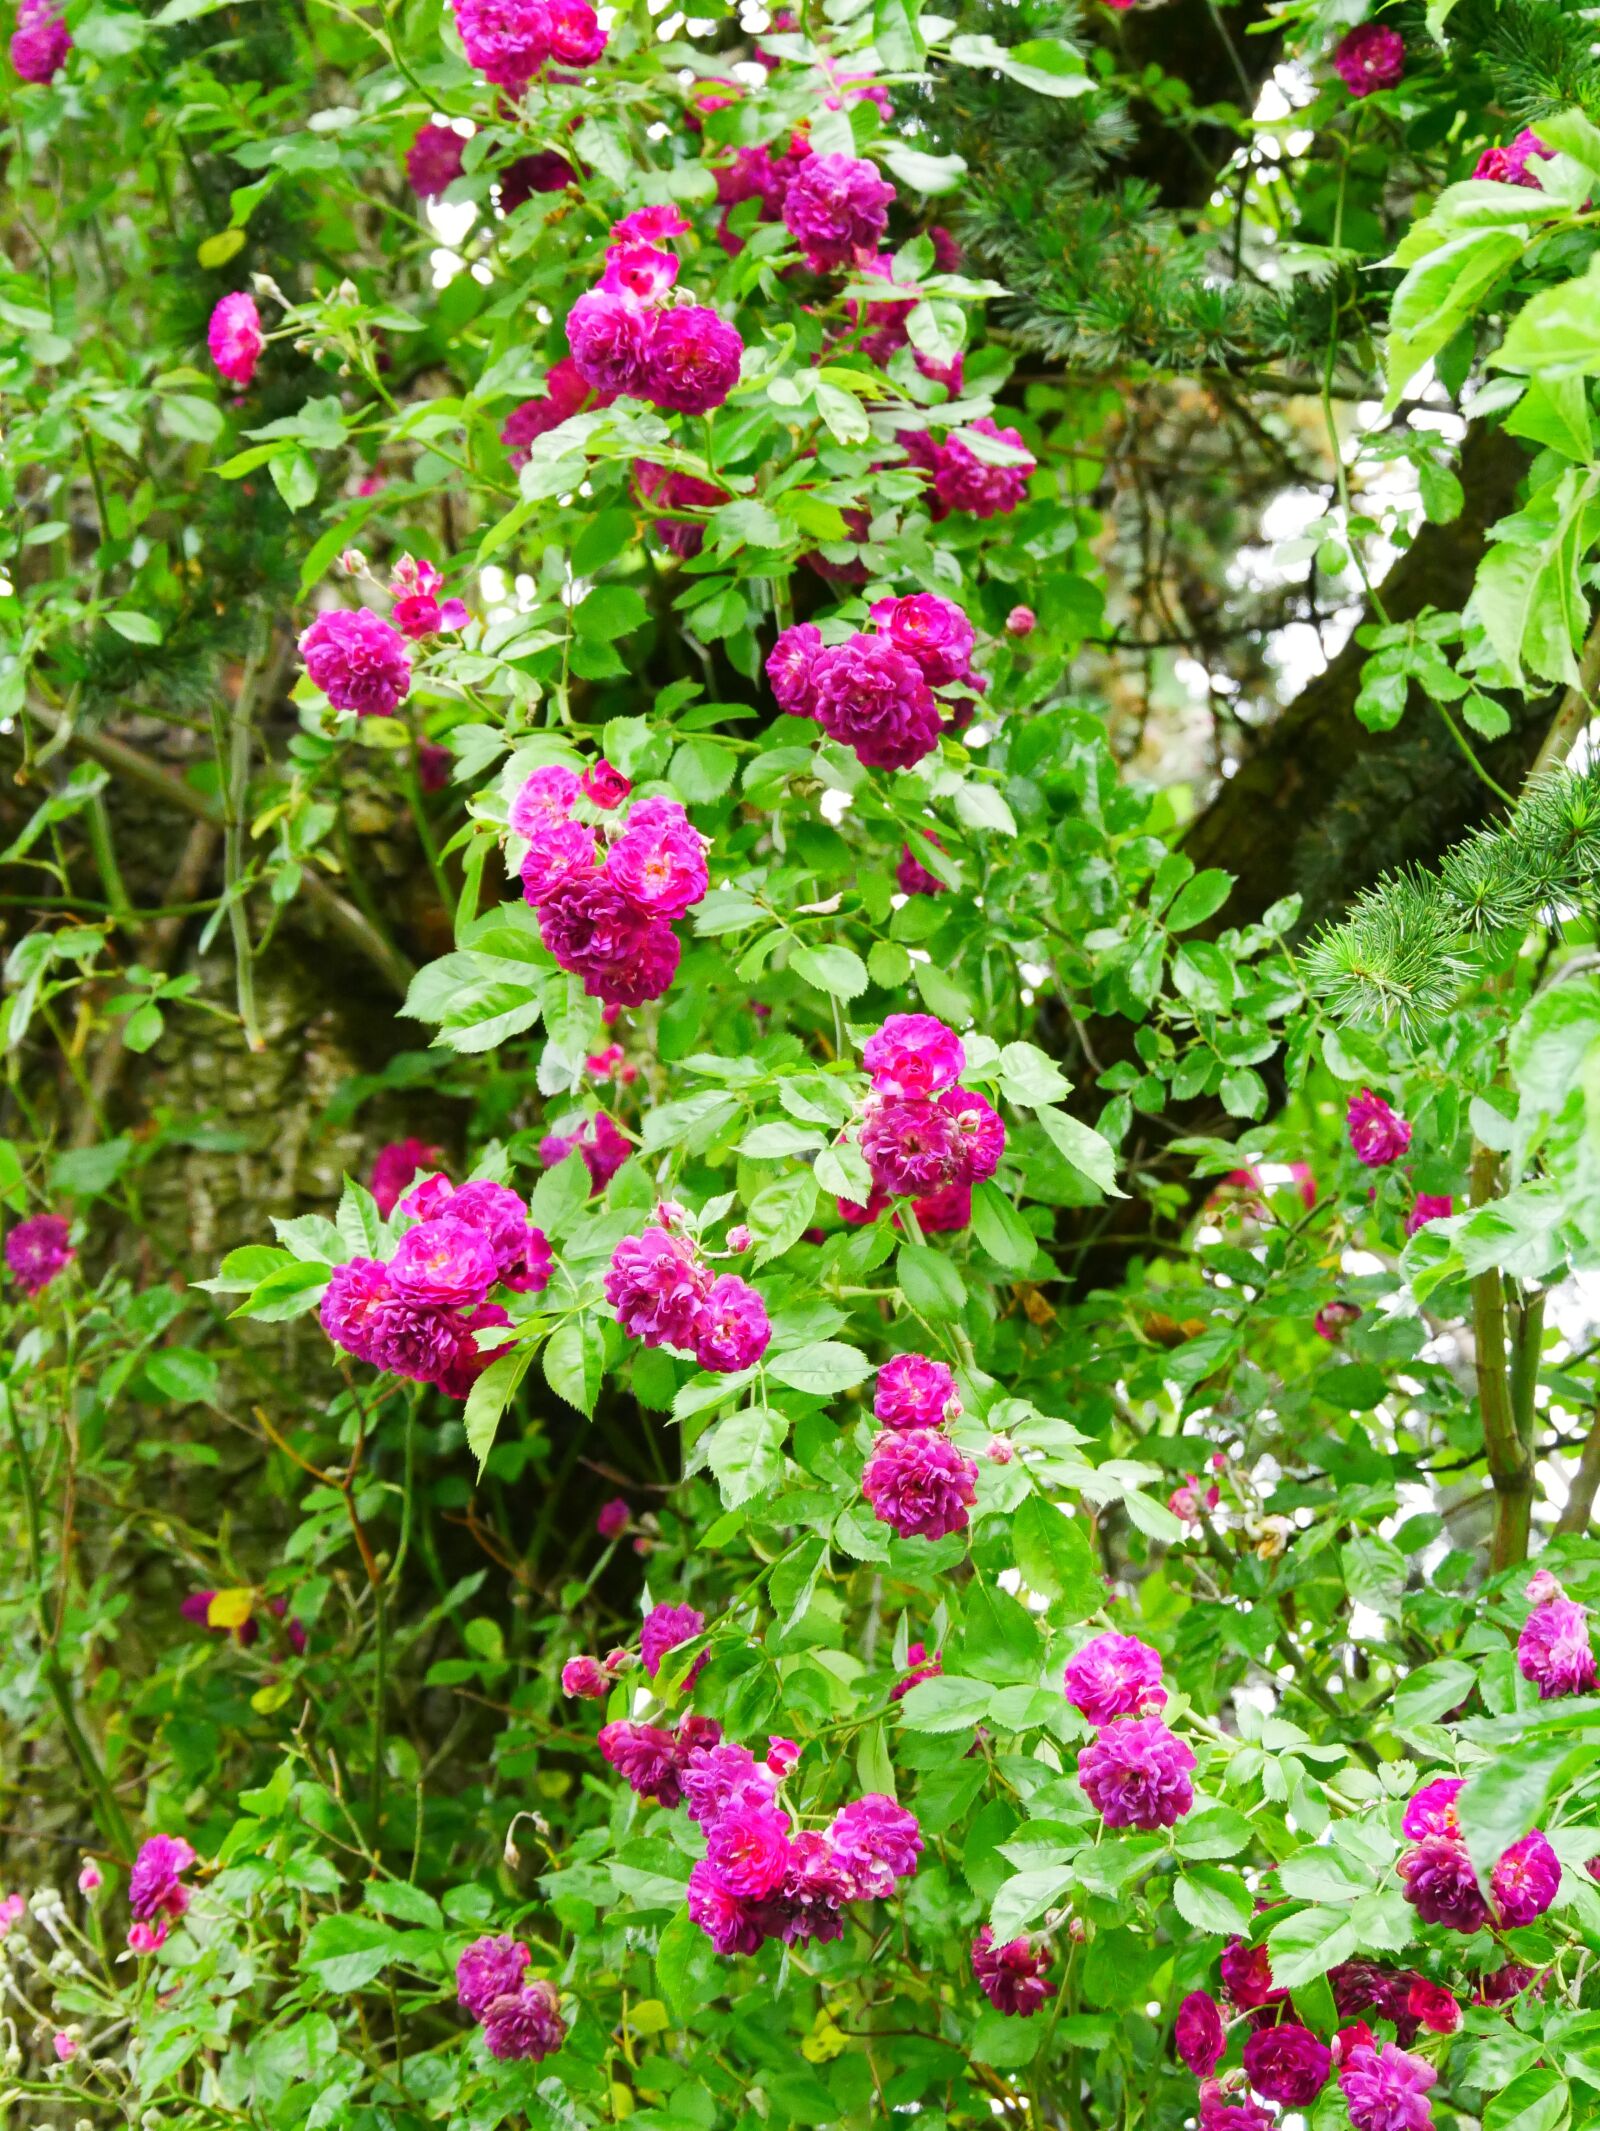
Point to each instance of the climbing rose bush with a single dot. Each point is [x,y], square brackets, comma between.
[819,1578]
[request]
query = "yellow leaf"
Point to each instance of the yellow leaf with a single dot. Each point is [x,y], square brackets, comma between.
[229,1609]
[266,1699]
[218,250]
[621,2103]
[824,2041]
[649,2017]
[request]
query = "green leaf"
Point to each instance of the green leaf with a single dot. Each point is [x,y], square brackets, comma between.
[1505,1798]
[1199,898]
[946,1703]
[1538,2100]
[836,970]
[345,1953]
[137,628]
[780,1213]
[844,1171]
[745,1452]
[1425,1695]
[1557,331]
[929,1282]
[609,611]
[1438,294]
[1308,1945]
[293,475]
[702,770]
[1083,1147]
[822,1369]
[574,1362]
[1055,1557]
[489,1398]
[1001,1229]
[1529,592]
[181,1374]
[897,36]
[1213,1900]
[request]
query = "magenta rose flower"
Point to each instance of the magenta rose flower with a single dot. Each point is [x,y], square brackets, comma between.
[397,1166]
[508,41]
[567,392]
[37,1249]
[433,161]
[693,360]
[919,1483]
[1432,1810]
[1015,1978]
[656,1286]
[235,338]
[351,1311]
[919,1667]
[659,860]
[677,492]
[1021,621]
[462,1361]
[645,1757]
[874,1842]
[604,786]
[40,42]
[611,341]
[872,698]
[931,630]
[487,1969]
[964,482]
[979,1134]
[1136,1774]
[641,272]
[554,855]
[1553,1649]
[1331,1320]
[836,206]
[1287,2063]
[1428,1206]
[1371,56]
[155,1885]
[1525,1881]
[914,1392]
[1247,1976]
[525,2023]
[1197,2033]
[443,1264]
[731,1328]
[614,1518]
[1434,2006]
[910,1145]
[791,665]
[586,1678]
[665,1627]
[358,661]
[912,877]
[1385,2089]
[731,1924]
[914,1054]
[1440,1884]
[544,800]
[650,225]
[1378,1135]
[717,1779]
[593,930]
[1509,165]
[1114,1676]
[576,38]
[748,1848]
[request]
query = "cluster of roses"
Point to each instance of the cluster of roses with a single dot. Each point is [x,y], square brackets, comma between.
[608,919]
[629,336]
[665,1294]
[916,1479]
[1441,1883]
[37,1249]
[761,1877]
[836,207]
[418,1312]
[1135,1772]
[518,2018]
[925,1138]
[875,693]
[510,41]
[962,481]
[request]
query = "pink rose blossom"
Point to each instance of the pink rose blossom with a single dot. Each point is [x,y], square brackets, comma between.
[443,1264]
[931,630]
[1432,1810]
[235,338]
[876,1842]
[656,1286]
[1553,1649]
[1331,1320]
[611,342]
[964,482]
[358,661]
[919,1667]
[1385,2089]
[1287,2063]
[614,1518]
[1114,1676]
[433,161]
[1439,1882]
[488,1969]
[912,877]
[731,1328]
[748,1848]
[836,206]
[40,42]
[1525,1881]
[641,272]
[919,1484]
[665,1627]
[1021,621]
[791,667]
[1136,1774]
[582,1676]
[1428,1207]
[37,1249]
[1197,2033]
[1371,56]
[693,361]
[659,860]
[525,2023]
[873,698]
[1510,165]
[645,1757]
[650,225]
[1015,1978]
[1378,1135]
[914,1054]
[155,1885]
[914,1392]
[730,1923]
